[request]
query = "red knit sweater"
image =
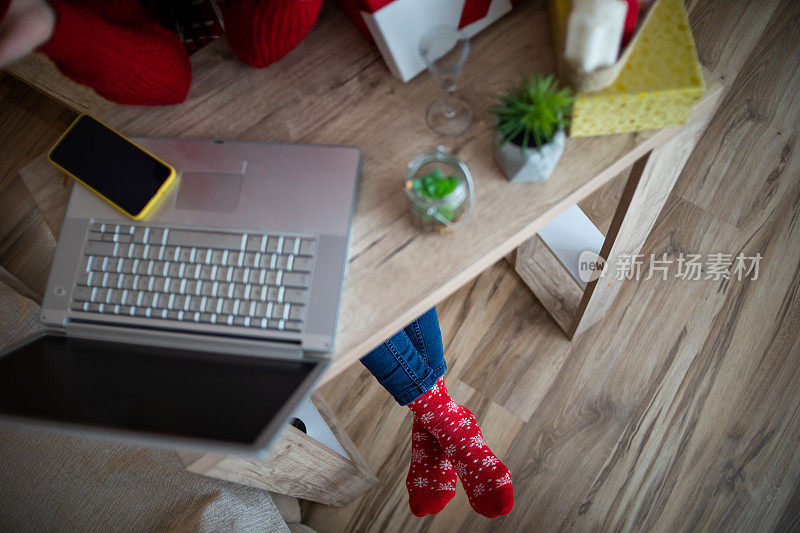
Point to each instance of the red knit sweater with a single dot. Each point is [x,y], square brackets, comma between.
[120,51]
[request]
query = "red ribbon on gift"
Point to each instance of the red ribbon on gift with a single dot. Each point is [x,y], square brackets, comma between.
[475,10]
[371,6]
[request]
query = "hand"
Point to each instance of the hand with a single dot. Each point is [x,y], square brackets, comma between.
[27,25]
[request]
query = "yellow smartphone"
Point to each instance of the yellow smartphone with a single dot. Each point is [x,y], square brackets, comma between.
[126,175]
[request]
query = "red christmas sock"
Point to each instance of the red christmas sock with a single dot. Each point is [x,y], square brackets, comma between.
[486,480]
[431,480]
[120,51]
[261,32]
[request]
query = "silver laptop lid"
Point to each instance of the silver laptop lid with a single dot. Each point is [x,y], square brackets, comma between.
[295,188]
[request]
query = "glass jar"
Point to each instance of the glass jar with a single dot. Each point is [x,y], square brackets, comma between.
[439,215]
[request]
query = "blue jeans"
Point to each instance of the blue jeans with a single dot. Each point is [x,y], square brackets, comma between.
[409,363]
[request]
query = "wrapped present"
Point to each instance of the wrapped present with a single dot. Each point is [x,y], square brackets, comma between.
[397,26]
[658,85]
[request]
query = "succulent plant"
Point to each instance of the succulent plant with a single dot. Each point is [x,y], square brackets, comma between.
[533,112]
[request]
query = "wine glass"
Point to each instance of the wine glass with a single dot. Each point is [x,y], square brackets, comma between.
[444,50]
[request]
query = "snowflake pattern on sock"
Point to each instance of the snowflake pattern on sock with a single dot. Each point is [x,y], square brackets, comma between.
[490,461]
[485,478]
[505,480]
[421,482]
[477,441]
[418,455]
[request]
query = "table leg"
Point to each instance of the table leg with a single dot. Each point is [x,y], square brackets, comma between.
[649,184]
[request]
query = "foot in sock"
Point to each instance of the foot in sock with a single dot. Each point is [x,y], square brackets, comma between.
[431,480]
[486,480]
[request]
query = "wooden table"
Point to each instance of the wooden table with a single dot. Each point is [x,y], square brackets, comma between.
[335,89]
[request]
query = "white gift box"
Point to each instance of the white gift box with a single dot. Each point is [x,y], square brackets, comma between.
[398,27]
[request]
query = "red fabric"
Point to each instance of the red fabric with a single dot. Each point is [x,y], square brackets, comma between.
[127,57]
[4,7]
[353,12]
[261,32]
[630,21]
[431,480]
[119,51]
[486,480]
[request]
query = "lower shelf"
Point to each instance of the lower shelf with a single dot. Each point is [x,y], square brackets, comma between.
[569,236]
[322,465]
[549,263]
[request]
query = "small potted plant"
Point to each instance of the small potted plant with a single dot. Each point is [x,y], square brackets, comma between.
[530,137]
[439,191]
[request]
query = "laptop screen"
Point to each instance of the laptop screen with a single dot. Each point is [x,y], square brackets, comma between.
[159,391]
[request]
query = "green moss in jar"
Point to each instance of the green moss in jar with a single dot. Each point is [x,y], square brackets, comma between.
[434,185]
[438,188]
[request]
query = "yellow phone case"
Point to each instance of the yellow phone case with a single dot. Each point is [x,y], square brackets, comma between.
[160,193]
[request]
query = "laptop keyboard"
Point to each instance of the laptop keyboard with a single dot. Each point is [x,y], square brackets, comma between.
[246,280]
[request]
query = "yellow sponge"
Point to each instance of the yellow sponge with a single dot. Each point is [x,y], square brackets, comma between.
[657,87]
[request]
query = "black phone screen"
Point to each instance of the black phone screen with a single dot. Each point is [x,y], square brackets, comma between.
[110,164]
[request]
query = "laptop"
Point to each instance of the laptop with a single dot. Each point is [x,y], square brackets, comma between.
[206,325]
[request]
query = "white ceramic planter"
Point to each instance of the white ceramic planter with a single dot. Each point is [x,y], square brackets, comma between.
[531,164]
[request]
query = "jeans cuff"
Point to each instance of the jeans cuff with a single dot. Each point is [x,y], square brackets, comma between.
[414,391]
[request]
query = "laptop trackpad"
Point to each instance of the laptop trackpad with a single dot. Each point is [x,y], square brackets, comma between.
[209,191]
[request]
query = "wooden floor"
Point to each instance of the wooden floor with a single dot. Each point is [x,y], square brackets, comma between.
[679,411]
